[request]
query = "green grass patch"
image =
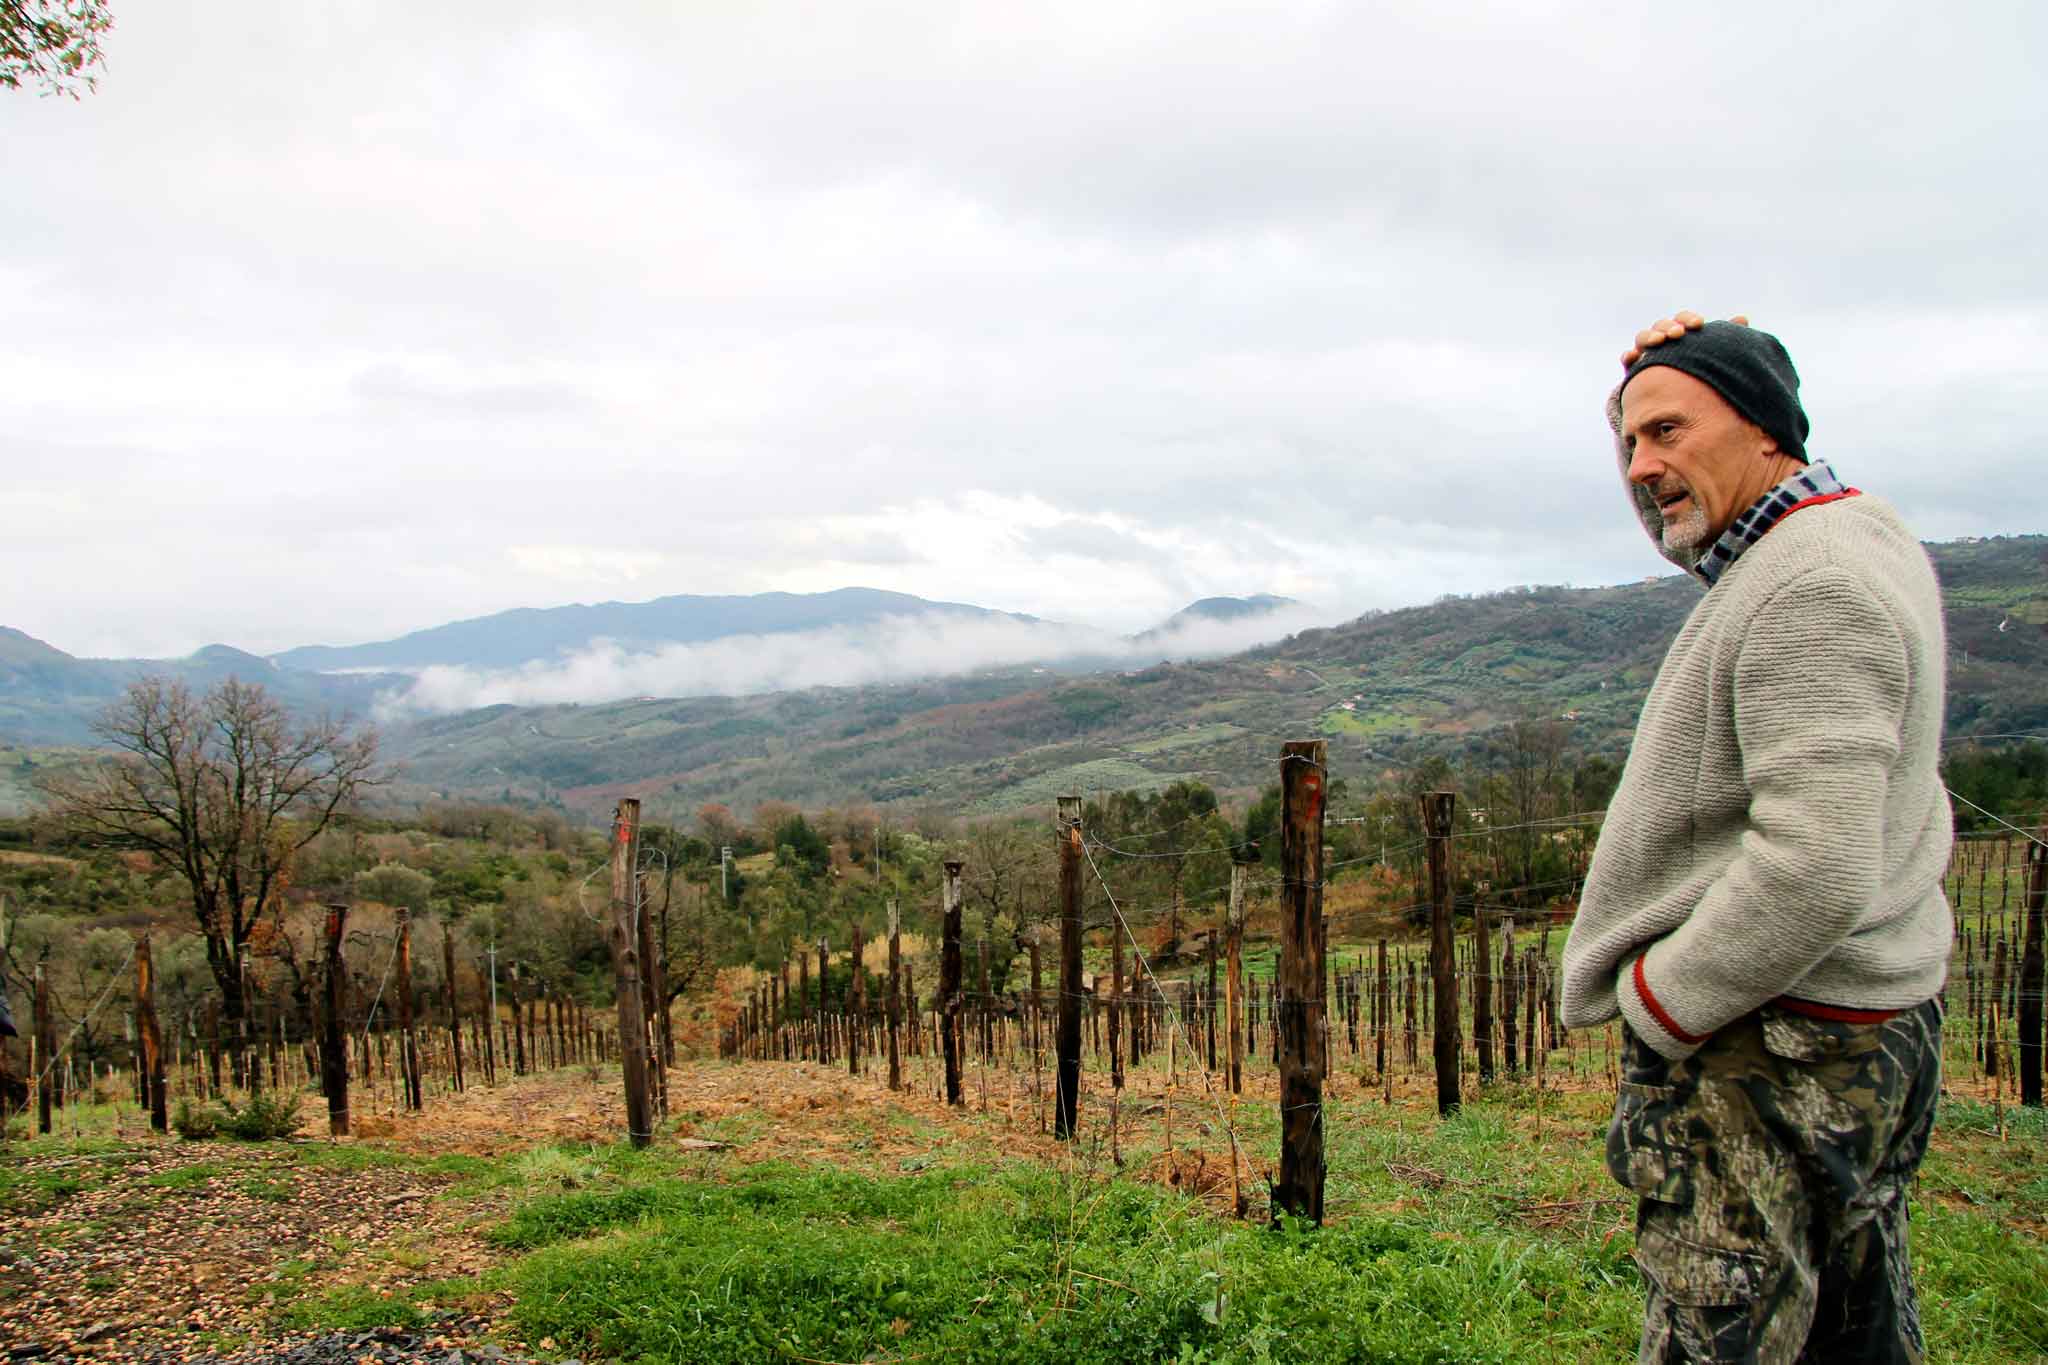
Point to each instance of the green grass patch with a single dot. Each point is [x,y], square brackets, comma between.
[186,1177]
[348,1156]
[350,1308]
[1020,1263]
[1493,1236]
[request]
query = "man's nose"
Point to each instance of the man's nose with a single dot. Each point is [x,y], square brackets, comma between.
[1644,467]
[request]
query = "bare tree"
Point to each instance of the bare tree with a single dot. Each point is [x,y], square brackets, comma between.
[223,790]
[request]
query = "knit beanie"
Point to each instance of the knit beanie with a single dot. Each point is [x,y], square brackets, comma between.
[1749,368]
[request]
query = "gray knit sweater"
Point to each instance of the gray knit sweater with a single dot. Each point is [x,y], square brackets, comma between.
[1781,828]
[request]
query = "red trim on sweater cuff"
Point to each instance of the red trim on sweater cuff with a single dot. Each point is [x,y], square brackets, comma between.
[1840,1014]
[1660,1014]
[1819,498]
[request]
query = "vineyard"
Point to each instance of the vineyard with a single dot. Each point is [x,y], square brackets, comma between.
[1283,1126]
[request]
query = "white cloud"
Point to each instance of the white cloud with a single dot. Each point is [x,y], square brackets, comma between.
[894,649]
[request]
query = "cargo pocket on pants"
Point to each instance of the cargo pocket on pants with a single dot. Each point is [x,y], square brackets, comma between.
[1693,1276]
[1641,1154]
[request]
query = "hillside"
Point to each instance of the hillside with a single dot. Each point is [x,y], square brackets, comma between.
[1384,690]
[48,697]
[507,639]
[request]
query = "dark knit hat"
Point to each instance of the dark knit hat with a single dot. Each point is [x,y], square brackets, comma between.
[1749,368]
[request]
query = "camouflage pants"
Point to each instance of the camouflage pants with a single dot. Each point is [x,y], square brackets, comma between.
[1771,1170]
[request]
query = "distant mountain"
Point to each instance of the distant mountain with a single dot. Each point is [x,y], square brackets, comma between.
[1219,609]
[508,639]
[1383,690]
[50,697]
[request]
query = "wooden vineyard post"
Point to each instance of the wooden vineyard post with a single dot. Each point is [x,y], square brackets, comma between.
[651,991]
[2031,970]
[408,1042]
[333,1045]
[1437,808]
[982,1009]
[803,1002]
[1383,1006]
[454,1007]
[625,939]
[949,984]
[1233,974]
[1067,1036]
[1209,1005]
[895,997]
[856,1003]
[42,1057]
[1997,999]
[1303,1044]
[152,1036]
[824,1044]
[1509,996]
[1116,1007]
[1482,992]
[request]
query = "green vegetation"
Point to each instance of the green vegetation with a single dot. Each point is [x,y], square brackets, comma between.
[1495,1236]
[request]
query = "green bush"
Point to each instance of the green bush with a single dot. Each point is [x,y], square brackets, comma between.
[195,1122]
[262,1119]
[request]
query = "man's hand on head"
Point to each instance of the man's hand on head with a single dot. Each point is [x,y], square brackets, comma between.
[1669,329]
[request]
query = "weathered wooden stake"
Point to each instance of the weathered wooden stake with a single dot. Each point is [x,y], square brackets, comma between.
[895,997]
[856,1003]
[2030,982]
[1482,992]
[454,1008]
[333,1045]
[651,991]
[43,1056]
[1233,978]
[1509,995]
[1437,809]
[1303,1043]
[950,967]
[1067,1037]
[408,1041]
[1209,1003]
[151,1036]
[625,940]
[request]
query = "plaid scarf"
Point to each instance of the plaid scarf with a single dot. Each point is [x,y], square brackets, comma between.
[1814,484]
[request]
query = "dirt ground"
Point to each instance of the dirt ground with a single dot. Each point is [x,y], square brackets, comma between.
[154,1248]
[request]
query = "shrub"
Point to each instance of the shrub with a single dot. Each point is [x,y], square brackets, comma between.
[262,1119]
[195,1122]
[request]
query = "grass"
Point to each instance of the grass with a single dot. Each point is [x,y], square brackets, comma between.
[1022,1263]
[1445,1244]
[185,1177]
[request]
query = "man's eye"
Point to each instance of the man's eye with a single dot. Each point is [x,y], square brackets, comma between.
[1664,429]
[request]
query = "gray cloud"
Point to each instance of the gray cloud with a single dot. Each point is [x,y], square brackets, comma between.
[1318,300]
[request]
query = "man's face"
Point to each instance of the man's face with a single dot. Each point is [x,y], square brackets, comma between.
[1699,458]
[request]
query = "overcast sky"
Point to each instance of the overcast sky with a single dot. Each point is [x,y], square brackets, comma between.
[324,323]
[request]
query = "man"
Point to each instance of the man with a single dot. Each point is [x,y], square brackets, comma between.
[1764,910]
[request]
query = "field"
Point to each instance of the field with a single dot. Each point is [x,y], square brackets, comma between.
[789,1211]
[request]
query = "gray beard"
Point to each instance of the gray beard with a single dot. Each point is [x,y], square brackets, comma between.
[1689,534]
